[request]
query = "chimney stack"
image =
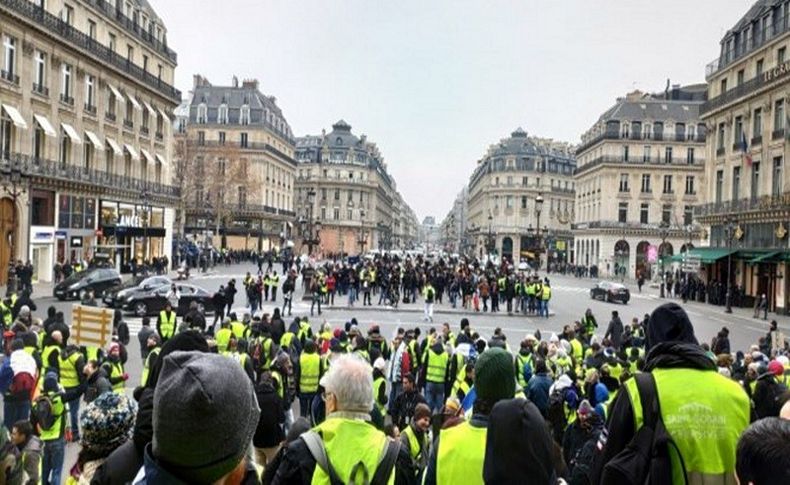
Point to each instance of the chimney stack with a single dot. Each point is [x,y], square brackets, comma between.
[250,84]
[199,81]
[235,82]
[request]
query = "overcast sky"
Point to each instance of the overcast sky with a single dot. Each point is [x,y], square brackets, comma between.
[433,83]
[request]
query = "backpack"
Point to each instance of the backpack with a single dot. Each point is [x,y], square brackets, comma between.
[6,375]
[44,413]
[645,460]
[22,382]
[380,477]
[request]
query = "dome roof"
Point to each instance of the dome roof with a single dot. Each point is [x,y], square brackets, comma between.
[341,135]
[518,144]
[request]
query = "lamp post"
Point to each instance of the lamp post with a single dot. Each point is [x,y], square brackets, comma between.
[539,237]
[664,227]
[362,237]
[145,197]
[310,228]
[13,187]
[729,233]
[491,241]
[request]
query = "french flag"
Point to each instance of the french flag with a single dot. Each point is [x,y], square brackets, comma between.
[745,147]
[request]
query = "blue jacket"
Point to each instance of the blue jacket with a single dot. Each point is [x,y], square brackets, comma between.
[538,391]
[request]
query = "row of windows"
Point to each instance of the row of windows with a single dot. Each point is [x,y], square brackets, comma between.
[640,130]
[68,89]
[754,181]
[644,213]
[647,155]
[647,188]
[224,112]
[338,175]
[509,201]
[739,137]
[554,184]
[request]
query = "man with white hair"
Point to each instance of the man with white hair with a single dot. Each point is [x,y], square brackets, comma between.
[346,446]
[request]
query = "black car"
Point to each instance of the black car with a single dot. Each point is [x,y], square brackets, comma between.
[608,291]
[97,279]
[153,301]
[114,297]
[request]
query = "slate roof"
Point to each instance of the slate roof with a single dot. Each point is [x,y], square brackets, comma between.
[652,107]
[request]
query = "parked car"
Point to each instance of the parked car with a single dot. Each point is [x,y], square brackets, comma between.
[115,296]
[97,279]
[153,301]
[608,291]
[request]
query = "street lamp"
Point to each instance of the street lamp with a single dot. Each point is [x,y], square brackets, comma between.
[310,228]
[362,238]
[145,197]
[729,234]
[491,242]
[13,186]
[538,210]
[664,227]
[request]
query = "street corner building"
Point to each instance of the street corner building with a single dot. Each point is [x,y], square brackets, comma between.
[520,201]
[346,200]
[640,173]
[234,162]
[86,95]
[748,188]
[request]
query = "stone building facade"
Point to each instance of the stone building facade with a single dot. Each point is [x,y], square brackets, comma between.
[234,159]
[86,89]
[503,190]
[748,186]
[356,199]
[640,173]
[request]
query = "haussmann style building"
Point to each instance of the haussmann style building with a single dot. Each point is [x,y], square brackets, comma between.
[86,95]
[640,174]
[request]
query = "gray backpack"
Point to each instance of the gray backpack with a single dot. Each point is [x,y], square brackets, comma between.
[381,475]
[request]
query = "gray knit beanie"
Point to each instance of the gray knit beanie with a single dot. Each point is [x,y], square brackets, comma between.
[205,413]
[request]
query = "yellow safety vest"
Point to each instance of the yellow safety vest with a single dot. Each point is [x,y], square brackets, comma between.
[223,338]
[546,295]
[68,370]
[705,413]
[460,456]
[117,371]
[377,383]
[167,324]
[92,353]
[577,351]
[437,366]
[416,447]
[147,365]
[347,443]
[286,340]
[310,365]
[45,356]
[53,433]
[239,329]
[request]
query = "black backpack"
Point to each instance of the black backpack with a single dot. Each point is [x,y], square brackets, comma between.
[43,409]
[646,458]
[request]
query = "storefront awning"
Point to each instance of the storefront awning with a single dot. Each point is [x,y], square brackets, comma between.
[160,159]
[150,109]
[763,257]
[72,133]
[132,152]
[135,103]
[45,125]
[116,148]
[709,255]
[147,155]
[94,140]
[16,116]
[115,91]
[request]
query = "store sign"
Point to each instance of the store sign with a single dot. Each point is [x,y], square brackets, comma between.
[42,236]
[60,234]
[129,221]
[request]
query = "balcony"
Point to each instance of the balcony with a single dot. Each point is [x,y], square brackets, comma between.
[54,25]
[113,13]
[66,99]
[778,134]
[10,77]
[98,180]
[658,136]
[752,42]
[680,137]
[765,203]
[609,135]
[128,124]
[40,89]
[245,209]
[90,109]
[238,145]
[110,117]
[609,159]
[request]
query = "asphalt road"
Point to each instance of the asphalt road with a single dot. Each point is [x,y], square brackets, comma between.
[570,299]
